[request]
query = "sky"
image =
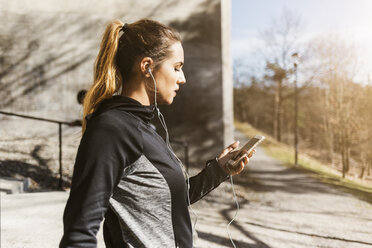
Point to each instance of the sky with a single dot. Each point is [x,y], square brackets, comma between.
[350,19]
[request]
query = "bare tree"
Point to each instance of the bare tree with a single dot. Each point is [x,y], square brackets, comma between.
[277,75]
[281,39]
[338,61]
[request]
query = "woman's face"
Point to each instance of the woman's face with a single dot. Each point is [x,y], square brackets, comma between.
[169,76]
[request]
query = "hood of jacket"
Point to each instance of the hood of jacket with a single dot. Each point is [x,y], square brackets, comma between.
[124,103]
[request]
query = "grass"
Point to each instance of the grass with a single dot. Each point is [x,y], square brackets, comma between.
[285,154]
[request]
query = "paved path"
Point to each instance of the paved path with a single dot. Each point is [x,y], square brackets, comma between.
[33,220]
[280,207]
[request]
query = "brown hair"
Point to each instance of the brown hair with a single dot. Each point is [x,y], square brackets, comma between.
[118,54]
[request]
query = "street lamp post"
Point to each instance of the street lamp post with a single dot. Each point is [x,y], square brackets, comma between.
[295,57]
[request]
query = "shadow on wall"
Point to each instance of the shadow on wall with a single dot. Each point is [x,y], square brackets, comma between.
[37,50]
[42,62]
[34,58]
[45,59]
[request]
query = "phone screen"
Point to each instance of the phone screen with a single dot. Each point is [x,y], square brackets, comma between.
[251,143]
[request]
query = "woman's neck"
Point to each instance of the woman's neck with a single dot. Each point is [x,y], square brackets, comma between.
[137,91]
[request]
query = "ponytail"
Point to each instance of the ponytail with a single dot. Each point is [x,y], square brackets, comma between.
[107,78]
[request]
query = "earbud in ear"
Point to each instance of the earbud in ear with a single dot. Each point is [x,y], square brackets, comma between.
[148,69]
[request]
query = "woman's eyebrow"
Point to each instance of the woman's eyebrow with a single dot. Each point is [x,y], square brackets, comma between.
[180,63]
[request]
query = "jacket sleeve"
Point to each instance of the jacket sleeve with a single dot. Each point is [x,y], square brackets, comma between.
[103,153]
[207,180]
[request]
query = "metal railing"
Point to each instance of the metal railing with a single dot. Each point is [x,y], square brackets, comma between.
[60,123]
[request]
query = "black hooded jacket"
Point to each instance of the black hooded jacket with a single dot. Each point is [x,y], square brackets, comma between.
[125,173]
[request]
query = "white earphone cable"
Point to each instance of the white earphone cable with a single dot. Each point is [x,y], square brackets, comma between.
[162,121]
[237,209]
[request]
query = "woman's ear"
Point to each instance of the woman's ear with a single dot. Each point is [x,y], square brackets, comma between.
[146,65]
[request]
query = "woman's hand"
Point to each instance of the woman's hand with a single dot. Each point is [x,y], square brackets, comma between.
[227,154]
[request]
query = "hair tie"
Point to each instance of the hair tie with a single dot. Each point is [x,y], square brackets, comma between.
[125,26]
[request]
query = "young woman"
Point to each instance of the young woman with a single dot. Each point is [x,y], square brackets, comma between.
[124,171]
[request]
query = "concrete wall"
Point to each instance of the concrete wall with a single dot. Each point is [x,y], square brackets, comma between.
[48,49]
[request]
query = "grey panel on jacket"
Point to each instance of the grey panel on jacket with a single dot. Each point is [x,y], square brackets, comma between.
[142,202]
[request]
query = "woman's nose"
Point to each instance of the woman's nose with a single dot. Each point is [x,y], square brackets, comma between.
[182,79]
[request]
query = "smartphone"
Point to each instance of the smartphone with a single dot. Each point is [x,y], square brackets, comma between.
[249,146]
